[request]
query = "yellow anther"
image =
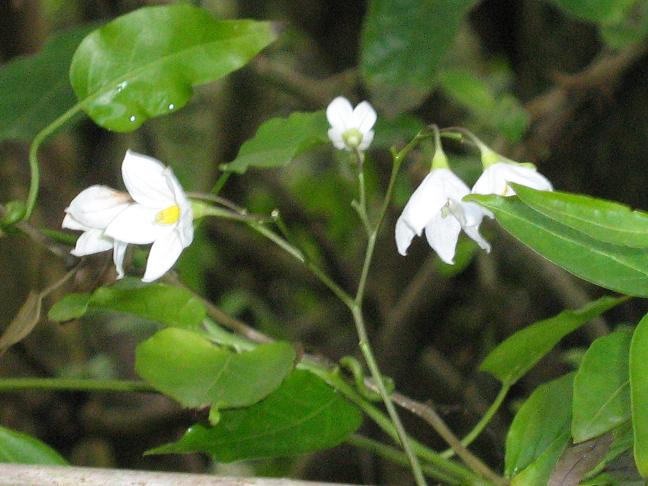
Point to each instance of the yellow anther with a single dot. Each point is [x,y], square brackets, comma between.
[169,215]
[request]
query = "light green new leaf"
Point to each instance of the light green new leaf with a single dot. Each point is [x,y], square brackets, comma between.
[195,372]
[602,220]
[403,44]
[19,448]
[280,140]
[639,394]
[599,11]
[515,356]
[540,426]
[602,387]
[303,415]
[145,63]
[614,267]
[35,90]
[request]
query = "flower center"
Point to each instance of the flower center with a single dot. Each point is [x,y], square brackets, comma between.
[169,215]
[352,138]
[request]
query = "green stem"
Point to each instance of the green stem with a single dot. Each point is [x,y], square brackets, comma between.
[483,422]
[14,384]
[220,182]
[33,157]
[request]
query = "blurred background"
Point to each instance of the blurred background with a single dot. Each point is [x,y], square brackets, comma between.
[533,79]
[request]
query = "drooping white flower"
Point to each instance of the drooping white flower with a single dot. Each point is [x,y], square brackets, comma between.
[351,128]
[496,178]
[91,211]
[161,213]
[436,206]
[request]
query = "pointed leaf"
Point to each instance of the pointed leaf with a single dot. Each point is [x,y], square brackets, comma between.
[280,140]
[19,448]
[145,63]
[195,372]
[515,356]
[614,267]
[303,415]
[639,394]
[72,306]
[602,387]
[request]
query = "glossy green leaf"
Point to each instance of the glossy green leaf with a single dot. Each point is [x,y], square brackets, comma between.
[195,372]
[602,387]
[639,394]
[303,415]
[145,63]
[602,220]
[515,356]
[403,44]
[172,306]
[35,90]
[541,426]
[539,471]
[615,267]
[600,11]
[19,448]
[280,140]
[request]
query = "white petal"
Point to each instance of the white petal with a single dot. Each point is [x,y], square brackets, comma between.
[70,223]
[442,234]
[495,179]
[119,252]
[185,227]
[92,241]
[339,113]
[146,180]
[404,235]
[136,224]
[97,206]
[475,235]
[367,138]
[164,253]
[335,135]
[364,117]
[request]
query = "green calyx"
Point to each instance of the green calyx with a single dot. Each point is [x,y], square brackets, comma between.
[352,138]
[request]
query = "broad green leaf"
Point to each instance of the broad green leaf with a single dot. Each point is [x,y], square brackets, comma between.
[303,415]
[280,140]
[579,460]
[539,471]
[615,267]
[602,220]
[639,394]
[540,426]
[35,90]
[599,11]
[515,356]
[403,44]
[145,63]
[195,372]
[19,448]
[602,387]
[172,306]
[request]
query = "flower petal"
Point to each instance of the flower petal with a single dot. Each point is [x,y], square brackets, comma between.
[404,236]
[442,234]
[146,180]
[495,179]
[119,252]
[97,206]
[339,113]
[92,241]
[367,138]
[475,235]
[164,253]
[70,223]
[363,117]
[136,224]
[335,135]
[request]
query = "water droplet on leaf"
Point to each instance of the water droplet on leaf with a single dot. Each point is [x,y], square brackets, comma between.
[132,118]
[171,106]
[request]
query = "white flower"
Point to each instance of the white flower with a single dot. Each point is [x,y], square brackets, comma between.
[91,212]
[436,206]
[161,213]
[351,129]
[496,177]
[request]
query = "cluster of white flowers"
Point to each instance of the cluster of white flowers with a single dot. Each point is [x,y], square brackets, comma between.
[437,204]
[155,210]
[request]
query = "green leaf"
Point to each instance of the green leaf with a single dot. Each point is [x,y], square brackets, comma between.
[632,28]
[539,471]
[145,63]
[172,306]
[303,415]
[35,90]
[19,448]
[403,44]
[540,426]
[602,220]
[639,394]
[515,356]
[279,141]
[195,372]
[615,267]
[602,387]
[599,11]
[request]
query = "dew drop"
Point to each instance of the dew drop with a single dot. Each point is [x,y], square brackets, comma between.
[171,106]
[132,118]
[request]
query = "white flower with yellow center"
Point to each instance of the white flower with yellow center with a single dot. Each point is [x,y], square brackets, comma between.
[351,129]
[160,214]
[91,212]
